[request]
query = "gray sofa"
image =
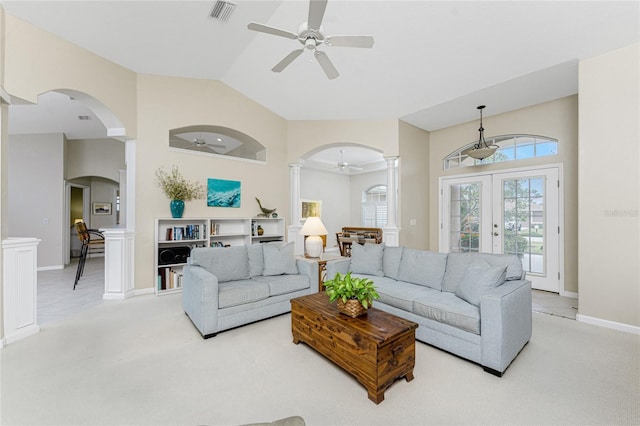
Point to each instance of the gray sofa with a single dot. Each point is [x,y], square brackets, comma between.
[477,306]
[228,287]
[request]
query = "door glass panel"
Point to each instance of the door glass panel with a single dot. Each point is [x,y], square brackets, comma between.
[523,213]
[464,234]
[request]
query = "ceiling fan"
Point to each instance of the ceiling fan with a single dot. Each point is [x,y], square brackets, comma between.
[344,166]
[311,36]
[187,141]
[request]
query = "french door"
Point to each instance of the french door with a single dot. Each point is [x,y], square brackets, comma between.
[515,212]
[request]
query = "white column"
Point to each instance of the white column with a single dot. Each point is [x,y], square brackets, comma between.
[295,226]
[20,288]
[130,192]
[391,235]
[118,263]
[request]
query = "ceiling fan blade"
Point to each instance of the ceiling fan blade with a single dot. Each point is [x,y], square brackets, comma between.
[356,168]
[316,13]
[271,30]
[326,65]
[350,41]
[287,60]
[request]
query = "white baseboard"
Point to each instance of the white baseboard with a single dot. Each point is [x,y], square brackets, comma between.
[50,268]
[571,294]
[609,324]
[143,291]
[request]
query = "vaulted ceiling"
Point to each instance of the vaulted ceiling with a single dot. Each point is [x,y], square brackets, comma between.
[432,62]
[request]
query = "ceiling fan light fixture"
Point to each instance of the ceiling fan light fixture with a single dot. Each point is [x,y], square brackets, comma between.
[481,149]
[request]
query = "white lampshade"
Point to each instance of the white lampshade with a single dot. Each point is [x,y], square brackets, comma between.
[313,228]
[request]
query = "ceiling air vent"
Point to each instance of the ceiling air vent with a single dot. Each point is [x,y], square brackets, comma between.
[222,10]
[84,117]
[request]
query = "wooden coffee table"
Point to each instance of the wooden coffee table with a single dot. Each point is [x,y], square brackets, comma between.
[377,348]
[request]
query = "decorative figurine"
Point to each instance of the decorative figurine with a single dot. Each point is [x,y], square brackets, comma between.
[265,212]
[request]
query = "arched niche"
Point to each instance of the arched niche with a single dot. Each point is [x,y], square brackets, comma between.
[217,141]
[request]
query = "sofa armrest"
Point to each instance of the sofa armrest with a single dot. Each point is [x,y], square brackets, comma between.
[338,265]
[309,268]
[505,323]
[200,298]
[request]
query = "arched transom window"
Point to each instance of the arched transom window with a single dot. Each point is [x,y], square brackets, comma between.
[374,207]
[511,148]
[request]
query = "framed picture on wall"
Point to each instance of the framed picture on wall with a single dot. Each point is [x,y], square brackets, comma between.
[310,208]
[101,208]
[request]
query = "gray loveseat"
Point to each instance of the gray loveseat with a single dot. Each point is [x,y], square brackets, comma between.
[477,306]
[228,287]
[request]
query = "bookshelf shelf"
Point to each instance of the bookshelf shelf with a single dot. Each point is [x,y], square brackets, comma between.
[174,239]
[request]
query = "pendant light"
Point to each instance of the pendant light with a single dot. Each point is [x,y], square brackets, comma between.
[482,150]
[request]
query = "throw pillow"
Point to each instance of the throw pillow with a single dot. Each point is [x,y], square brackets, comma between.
[256,259]
[391,261]
[227,264]
[279,259]
[479,278]
[422,267]
[367,259]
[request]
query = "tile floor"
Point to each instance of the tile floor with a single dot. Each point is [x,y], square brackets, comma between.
[57,299]
[545,302]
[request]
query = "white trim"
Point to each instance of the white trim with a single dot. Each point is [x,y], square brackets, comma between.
[609,324]
[50,268]
[143,291]
[571,294]
[222,156]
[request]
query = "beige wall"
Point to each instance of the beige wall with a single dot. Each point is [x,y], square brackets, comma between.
[556,119]
[36,194]
[609,199]
[165,103]
[38,62]
[306,136]
[414,187]
[95,157]
[333,190]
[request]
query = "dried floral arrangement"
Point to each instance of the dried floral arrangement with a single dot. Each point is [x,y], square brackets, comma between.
[176,187]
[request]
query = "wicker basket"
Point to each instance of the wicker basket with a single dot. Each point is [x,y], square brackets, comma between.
[352,308]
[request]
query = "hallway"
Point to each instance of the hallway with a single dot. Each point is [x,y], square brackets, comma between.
[56,297]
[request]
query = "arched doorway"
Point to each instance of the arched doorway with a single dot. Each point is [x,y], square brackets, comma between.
[335,177]
[66,137]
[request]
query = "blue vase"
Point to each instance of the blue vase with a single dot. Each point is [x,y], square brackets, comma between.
[177,208]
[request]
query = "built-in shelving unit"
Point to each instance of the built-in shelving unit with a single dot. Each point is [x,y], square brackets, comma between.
[175,238]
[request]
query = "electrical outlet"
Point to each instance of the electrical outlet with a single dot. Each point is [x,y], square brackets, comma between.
[412,222]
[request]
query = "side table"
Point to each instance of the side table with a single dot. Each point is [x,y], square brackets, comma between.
[322,267]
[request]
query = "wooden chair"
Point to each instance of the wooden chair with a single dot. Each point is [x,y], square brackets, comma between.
[360,235]
[92,241]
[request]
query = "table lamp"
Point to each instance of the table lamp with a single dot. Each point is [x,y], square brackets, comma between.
[313,228]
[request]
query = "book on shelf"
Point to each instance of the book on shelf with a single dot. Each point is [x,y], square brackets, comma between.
[169,278]
[187,232]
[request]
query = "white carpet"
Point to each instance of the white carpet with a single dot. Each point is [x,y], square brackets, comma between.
[141,362]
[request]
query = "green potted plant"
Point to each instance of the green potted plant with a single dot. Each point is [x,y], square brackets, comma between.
[354,295]
[178,189]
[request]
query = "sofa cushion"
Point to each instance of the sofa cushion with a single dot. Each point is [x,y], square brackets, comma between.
[279,259]
[458,263]
[391,261]
[480,278]
[400,294]
[227,264]
[256,259]
[282,284]
[422,267]
[367,259]
[448,309]
[233,293]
